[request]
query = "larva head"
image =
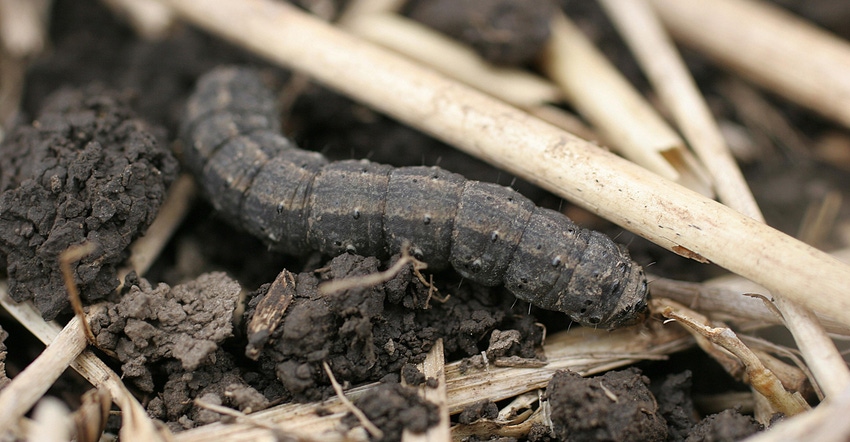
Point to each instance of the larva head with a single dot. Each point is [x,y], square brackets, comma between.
[607,289]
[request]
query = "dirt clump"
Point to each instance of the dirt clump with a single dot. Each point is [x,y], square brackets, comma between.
[616,406]
[506,32]
[366,333]
[483,409]
[4,380]
[727,426]
[85,170]
[394,408]
[676,405]
[150,326]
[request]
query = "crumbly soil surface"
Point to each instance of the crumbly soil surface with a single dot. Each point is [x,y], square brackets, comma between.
[91,158]
[86,169]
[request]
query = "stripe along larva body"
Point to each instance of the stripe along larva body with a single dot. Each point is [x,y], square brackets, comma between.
[297,201]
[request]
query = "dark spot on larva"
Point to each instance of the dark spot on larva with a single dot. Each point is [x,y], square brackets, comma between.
[427,219]
[338,243]
[417,253]
[539,246]
[476,265]
[350,248]
[356,213]
[494,236]
[556,261]
[280,208]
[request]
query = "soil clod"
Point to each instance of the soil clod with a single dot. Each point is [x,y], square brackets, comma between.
[151,325]
[616,406]
[85,170]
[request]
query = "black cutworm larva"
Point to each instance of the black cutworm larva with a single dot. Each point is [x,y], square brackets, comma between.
[297,201]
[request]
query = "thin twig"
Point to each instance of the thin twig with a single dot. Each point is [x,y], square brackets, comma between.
[364,420]
[72,254]
[373,279]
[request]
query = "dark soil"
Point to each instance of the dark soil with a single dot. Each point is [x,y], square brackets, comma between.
[3,378]
[89,168]
[186,323]
[85,170]
[616,406]
[505,32]
[394,408]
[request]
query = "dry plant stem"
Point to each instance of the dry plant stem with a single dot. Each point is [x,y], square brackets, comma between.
[23,26]
[825,423]
[372,279]
[248,419]
[759,377]
[145,250]
[149,18]
[29,385]
[828,367]
[86,364]
[667,214]
[582,349]
[434,367]
[676,87]
[605,98]
[12,72]
[769,46]
[430,48]
[723,296]
[364,421]
[72,254]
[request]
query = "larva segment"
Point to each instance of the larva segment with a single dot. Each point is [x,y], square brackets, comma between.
[489,224]
[545,258]
[347,208]
[420,209]
[296,201]
[276,207]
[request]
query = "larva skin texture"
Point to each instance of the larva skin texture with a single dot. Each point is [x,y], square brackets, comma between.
[297,201]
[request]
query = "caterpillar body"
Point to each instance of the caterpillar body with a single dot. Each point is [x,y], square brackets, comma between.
[297,201]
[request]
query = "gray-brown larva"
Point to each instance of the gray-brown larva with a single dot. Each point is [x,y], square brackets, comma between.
[297,201]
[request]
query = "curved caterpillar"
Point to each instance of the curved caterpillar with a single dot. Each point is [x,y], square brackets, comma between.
[297,201]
